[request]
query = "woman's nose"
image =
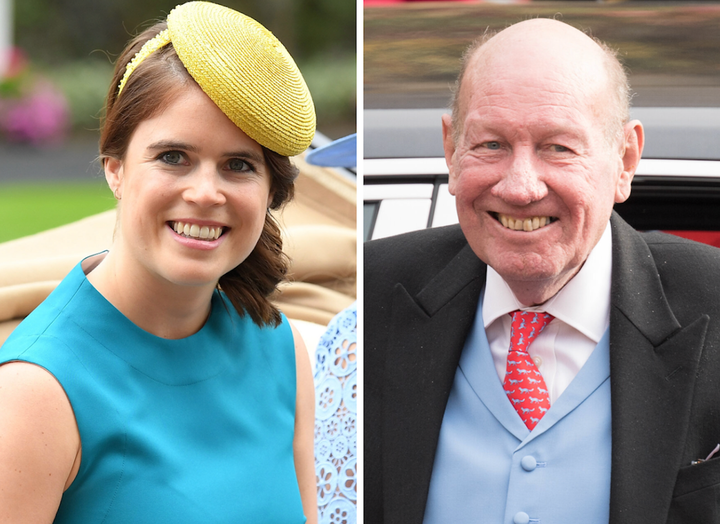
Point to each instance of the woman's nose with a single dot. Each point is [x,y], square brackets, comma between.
[205,187]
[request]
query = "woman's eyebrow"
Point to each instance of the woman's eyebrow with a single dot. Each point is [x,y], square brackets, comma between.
[171,144]
[182,146]
[250,155]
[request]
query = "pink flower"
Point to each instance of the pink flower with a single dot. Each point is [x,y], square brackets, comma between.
[17,64]
[41,117]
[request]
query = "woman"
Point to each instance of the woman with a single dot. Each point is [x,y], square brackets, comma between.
[138,392]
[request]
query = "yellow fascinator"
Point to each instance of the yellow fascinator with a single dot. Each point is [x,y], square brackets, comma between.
[244,70]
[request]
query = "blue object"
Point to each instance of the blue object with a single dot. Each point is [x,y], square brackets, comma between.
[485,452]
[528,463]
[193,430]
[521,518]
[339,153]
[336,419]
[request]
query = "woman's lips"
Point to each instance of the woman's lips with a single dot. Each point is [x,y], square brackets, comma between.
[197,231]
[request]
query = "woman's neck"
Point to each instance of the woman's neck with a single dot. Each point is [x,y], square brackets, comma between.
[163,308]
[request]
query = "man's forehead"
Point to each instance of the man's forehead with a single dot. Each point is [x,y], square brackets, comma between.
[544,64]
[539,91]
[539,47]
[530,120]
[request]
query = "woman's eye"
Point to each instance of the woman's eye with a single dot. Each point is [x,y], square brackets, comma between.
[172,157]
[236,164]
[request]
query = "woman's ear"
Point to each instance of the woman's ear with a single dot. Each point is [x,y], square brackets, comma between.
[113,168]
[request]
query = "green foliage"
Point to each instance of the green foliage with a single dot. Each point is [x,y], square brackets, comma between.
[10,88]
[30,208]
[331,79]
[325,26]
[332,83]
[54,30]
[85,85]
[74,43]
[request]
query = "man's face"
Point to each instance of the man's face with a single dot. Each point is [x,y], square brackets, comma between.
[534,174]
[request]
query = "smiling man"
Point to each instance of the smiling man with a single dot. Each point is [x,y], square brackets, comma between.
[543,362]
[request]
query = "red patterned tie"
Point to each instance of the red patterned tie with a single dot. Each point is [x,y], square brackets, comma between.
[524,385]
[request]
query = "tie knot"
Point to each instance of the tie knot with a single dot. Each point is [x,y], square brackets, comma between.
[526,325]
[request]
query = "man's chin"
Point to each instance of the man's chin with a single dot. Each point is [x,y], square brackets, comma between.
[533,281]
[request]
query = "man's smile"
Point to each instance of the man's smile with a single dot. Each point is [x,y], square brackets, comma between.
[523,224]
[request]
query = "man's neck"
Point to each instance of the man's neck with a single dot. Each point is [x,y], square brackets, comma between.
[536,293]
[583,302]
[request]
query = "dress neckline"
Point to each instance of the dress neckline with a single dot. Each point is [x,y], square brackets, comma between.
[197,357]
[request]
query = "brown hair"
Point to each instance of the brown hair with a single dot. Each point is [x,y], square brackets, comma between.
[150,89]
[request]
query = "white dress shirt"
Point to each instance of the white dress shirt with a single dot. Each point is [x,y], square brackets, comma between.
[582,314]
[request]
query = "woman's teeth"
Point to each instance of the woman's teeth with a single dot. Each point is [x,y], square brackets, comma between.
[198,232]
[524,224]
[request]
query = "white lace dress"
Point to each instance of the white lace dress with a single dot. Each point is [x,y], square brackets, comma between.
[336,419]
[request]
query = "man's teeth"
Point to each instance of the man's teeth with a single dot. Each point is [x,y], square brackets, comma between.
[195,231]
[523,224]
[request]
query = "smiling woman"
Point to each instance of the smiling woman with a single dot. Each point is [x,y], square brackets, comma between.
[190,166]
[158,382]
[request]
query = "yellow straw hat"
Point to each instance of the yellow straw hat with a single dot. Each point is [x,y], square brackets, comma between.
[244,70]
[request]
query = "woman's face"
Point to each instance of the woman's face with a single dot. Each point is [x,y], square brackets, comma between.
[194,191]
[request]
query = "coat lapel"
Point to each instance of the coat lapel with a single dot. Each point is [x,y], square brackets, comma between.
[653,363]
[431,327]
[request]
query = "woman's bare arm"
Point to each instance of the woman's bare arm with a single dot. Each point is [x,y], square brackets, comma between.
[303,444]
[39,444]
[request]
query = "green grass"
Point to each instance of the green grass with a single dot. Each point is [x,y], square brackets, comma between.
[27,208]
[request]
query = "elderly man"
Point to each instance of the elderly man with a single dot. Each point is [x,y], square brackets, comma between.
[543,362]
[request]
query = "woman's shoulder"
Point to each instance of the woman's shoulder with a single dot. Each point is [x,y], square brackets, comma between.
[52,336]
[225,315]
[40,438]
[245,340]
[49,320]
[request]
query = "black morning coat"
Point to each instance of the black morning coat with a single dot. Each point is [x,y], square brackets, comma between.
[421,295]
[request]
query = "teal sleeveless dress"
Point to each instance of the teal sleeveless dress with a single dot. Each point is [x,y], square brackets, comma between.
[196,430]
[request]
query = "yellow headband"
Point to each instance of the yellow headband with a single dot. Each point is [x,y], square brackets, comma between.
[244,70]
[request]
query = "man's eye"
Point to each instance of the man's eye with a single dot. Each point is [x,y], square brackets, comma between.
[172,157]
[236,164]
[492,145]
[556,148]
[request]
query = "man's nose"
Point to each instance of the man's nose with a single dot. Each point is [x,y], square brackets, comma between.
[521,183]
[205,187]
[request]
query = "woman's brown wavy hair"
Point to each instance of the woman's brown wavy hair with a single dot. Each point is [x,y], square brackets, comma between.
[150,89]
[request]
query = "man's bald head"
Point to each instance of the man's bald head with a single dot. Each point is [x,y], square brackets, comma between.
[541,153]
[568,53]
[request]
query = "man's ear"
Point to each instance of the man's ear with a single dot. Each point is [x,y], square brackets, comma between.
[633,142]
[113,168]
[449,148]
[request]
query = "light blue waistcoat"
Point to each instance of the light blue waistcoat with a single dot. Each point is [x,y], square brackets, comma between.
[489,468]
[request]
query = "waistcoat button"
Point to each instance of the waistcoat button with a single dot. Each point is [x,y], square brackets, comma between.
[528,463]
[521,518]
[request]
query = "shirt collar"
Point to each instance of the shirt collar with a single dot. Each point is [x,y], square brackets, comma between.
[584,302]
